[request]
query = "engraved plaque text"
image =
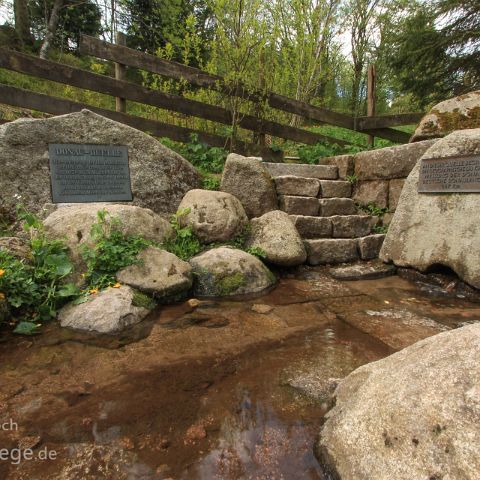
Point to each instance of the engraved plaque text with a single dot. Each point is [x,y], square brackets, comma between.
[89,173]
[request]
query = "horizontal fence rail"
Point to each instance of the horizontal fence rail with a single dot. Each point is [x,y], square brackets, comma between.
[57,72]
[177,71]
[378,126]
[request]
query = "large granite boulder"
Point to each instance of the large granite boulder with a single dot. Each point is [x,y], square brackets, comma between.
[158,273]
[438,229]
[275,233]
[160,177]
[73,224]
[459,113]
[227,271]
[412,415]
[248,179]
[109,311]
[213,216]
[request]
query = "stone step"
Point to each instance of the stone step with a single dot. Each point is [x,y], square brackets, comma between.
[323,172]
[338,226]
[312,187]
[329,207]
[335,189]
[342,250]
[299,186]
[296,205]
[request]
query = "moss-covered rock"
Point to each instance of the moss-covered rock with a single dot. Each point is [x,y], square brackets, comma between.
[459,113]
[227,271]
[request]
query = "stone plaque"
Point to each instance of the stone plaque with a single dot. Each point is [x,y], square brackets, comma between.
[89,173]
[450,174]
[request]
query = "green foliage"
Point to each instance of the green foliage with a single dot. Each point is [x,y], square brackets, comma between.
[142,300]
[380,229]
[34,289]
[257,252]
[373,209]
[210,182]
[185,244]
[112,251]
[353,179]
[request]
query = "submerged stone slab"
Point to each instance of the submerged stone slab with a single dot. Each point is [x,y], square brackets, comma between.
[438,229]
[291,185]
[412,415]
[328,172]
[312,227]
[299,205]
[325,250]
[363,271]
[336,206]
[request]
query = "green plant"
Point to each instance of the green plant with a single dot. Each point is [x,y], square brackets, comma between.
[111,251]
[353,179]
[209,182]
[142,300]
[380,229]
[373,209]
[257,252]
[35,288]
[185,244]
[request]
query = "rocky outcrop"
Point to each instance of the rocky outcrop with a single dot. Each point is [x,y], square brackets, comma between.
[158,273]
[459,113]
[438,229]
[412,415]
[213,216]
[160,177]
[109,311]
[227,271]
[74,223]
[247,179]
[277,236]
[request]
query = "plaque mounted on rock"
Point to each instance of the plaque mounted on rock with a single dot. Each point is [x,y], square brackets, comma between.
[89,173]
[450,174]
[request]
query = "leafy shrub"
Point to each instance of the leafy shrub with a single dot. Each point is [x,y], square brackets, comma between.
[34,289]
[185,244]
[111,252]
[210,182]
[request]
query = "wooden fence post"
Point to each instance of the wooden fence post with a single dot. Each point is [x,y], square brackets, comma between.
[371,98]
[120,74]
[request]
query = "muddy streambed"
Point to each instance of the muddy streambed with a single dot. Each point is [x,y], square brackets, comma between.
[226,390]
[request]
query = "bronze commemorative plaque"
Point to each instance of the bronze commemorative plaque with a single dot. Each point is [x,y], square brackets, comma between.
[89,173]
[450,174]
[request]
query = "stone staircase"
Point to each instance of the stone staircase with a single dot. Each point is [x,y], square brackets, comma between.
[320,205]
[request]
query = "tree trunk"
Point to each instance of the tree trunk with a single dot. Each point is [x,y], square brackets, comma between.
[22,21]
[51,28]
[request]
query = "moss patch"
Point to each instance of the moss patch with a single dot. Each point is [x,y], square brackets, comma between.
[229,284]
[142,300]
[454,120]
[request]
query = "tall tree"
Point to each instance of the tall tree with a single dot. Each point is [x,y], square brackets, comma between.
[22,21]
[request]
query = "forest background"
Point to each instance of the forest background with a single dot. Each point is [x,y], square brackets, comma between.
[315,51]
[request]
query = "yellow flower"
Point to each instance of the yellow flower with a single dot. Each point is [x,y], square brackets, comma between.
[2,272]
[2,296]
[93,291]
[117,285]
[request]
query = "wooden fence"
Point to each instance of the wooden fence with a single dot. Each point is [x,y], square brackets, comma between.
[122,90]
